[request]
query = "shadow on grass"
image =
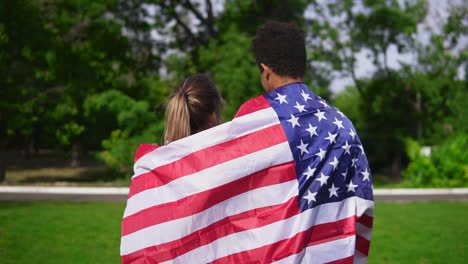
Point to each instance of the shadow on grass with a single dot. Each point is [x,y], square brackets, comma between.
[53,168]
[67,176]
[74,175]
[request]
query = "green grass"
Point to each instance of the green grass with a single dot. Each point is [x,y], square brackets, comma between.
[60,232]
[72,232]
[433,232]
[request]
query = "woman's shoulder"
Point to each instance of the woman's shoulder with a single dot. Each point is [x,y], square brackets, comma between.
[144,149]
[253,105]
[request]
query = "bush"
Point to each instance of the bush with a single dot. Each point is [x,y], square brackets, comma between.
[137,124]
[446,166]
[119,149]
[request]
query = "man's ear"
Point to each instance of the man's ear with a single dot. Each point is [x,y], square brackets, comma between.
[266,70]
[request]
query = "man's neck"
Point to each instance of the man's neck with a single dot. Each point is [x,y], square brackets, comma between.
[280,81]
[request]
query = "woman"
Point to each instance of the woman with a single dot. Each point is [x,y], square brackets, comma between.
[195,106]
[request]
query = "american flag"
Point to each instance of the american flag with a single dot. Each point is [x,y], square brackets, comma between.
[286,181]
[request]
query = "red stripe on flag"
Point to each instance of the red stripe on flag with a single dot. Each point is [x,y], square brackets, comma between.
[203,200]
[362,245]
[253,105]
[144,149]
[317,234]
[243,221]
[366,220]
[237,148]
[348,260]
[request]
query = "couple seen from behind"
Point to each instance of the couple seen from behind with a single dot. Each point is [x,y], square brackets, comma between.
[286,181]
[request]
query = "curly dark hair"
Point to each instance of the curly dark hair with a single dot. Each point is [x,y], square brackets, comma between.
[281,46]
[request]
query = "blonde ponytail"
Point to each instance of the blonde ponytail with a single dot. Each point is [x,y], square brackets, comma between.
[195,106]
[177,118]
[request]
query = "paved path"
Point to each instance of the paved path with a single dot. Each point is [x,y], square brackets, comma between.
[33,193]
[37,193]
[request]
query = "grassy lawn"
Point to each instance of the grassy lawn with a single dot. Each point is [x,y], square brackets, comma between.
[433,232]
[60,232]
[69,232]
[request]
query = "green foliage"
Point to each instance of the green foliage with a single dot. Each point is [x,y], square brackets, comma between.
[249,15]
[421,100]
[59,52]
[350,103]
[119,149]
[86,73]
[136,125]
[232,66]
[447,166]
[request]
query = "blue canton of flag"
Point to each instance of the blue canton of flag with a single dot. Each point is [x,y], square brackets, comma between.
[330,161]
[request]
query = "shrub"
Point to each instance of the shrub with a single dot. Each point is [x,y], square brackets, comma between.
[446,166]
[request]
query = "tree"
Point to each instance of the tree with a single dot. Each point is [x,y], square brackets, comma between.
[395,103]
[189,31]
[191,37]
[54,55]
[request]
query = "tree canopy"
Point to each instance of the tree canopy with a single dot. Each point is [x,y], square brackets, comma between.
[81,75]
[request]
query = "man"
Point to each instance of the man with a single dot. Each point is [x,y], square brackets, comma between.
[286,181]
[329,158]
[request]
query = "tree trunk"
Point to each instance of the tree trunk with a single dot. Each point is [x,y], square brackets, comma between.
[2,165]
[396,167]
[29,148]
[75,154]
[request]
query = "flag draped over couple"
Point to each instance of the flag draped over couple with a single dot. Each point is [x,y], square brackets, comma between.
[286,181]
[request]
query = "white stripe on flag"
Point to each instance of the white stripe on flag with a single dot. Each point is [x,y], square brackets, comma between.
[269,234]
[176,229]
[178,149]
[209,178]
[359,258]
[363,231]
[322,253]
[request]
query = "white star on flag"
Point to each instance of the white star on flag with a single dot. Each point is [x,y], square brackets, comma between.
[312,130]
[346,147]
[294,121]
[310,196]
[366,175]
[300,107]
[321,153]
[352,133]
[320,115]
[310,172]
[305,96]
[303,147]
[338,123]
[323,179]
[334,163]
[340,113]
[333,190]
[351,187]
[281,98]
[354,162]
[331,137]
[345,173]
[324,104]
[362,149]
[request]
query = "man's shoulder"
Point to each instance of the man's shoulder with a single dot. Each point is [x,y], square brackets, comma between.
[253,105]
